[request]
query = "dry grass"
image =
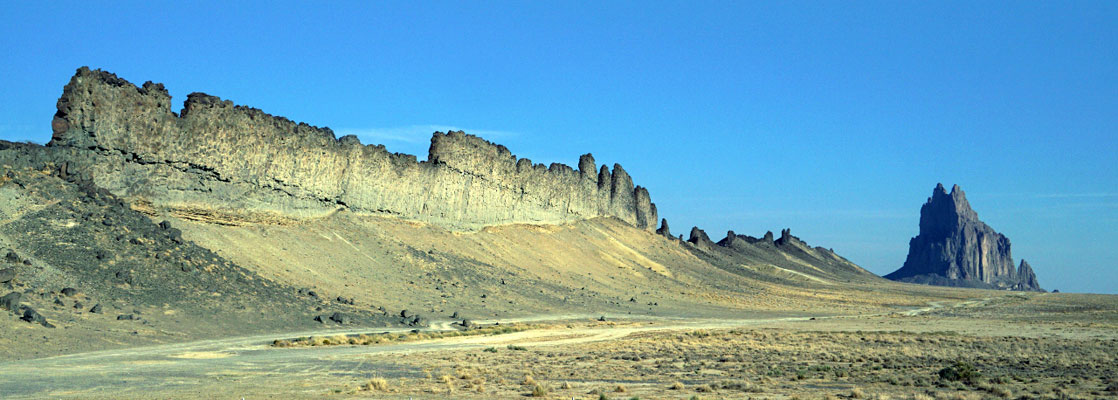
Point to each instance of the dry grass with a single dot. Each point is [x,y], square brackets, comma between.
[378,384]
[411,336]
[539,390]
[733,363]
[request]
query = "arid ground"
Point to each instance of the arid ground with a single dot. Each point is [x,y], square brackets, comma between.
[996,346]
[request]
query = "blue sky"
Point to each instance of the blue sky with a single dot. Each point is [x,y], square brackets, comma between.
[835,119]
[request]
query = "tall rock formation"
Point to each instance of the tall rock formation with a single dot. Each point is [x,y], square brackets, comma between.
[664,230]
[228,163]
[955,248]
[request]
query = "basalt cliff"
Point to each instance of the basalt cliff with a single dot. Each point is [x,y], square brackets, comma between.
[226,163]
[955,248]
[138,224]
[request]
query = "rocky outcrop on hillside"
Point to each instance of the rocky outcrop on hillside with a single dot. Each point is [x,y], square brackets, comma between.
[955,248]
[664,230]
[699,238]
[227,163]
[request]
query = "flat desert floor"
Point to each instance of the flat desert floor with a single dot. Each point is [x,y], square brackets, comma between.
[1013,345]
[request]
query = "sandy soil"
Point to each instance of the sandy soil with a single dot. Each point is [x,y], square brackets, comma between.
[901,354]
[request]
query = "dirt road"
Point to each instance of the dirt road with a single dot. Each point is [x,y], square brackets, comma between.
[249,367]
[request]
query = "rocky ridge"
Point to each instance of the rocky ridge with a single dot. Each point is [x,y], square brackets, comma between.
[955,248]
[227,163]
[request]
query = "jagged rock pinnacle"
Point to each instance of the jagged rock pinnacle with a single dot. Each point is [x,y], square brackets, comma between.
[955,247]
[664,230]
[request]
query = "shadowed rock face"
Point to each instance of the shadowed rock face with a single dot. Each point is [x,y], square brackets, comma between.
[226,162]
[955,248]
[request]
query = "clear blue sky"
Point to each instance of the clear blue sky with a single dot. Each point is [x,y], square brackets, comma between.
[835,119]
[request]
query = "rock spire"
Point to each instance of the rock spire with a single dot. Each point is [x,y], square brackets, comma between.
[955,248]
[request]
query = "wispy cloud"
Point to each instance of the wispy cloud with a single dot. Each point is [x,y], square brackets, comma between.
[414,134]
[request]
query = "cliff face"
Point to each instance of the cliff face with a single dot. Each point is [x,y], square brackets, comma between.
[226,162]
[955,248]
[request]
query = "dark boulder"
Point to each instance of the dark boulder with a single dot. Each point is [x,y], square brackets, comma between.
[7,275]
[32,316]
[340,318]
[125,317]
[175,234]
[10,301]
[96,309]
[68,292]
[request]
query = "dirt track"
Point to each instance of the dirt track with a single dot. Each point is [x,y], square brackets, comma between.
[245,366]
[236,366]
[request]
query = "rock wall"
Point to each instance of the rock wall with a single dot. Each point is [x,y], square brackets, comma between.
[954,245]
[226,162]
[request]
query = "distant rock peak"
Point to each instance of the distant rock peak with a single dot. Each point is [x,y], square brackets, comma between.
[954,245]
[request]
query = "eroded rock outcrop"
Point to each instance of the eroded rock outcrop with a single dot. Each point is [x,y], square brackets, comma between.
[664,230]
[699,238]
[227,163]
[955,248]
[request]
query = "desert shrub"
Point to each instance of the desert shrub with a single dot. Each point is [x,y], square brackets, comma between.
[857,394]
[703,389]
[620,389]
[378,383]
[515,347]
[676,386]
[539,390]
[741,386]
[960,372]
[490,350]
